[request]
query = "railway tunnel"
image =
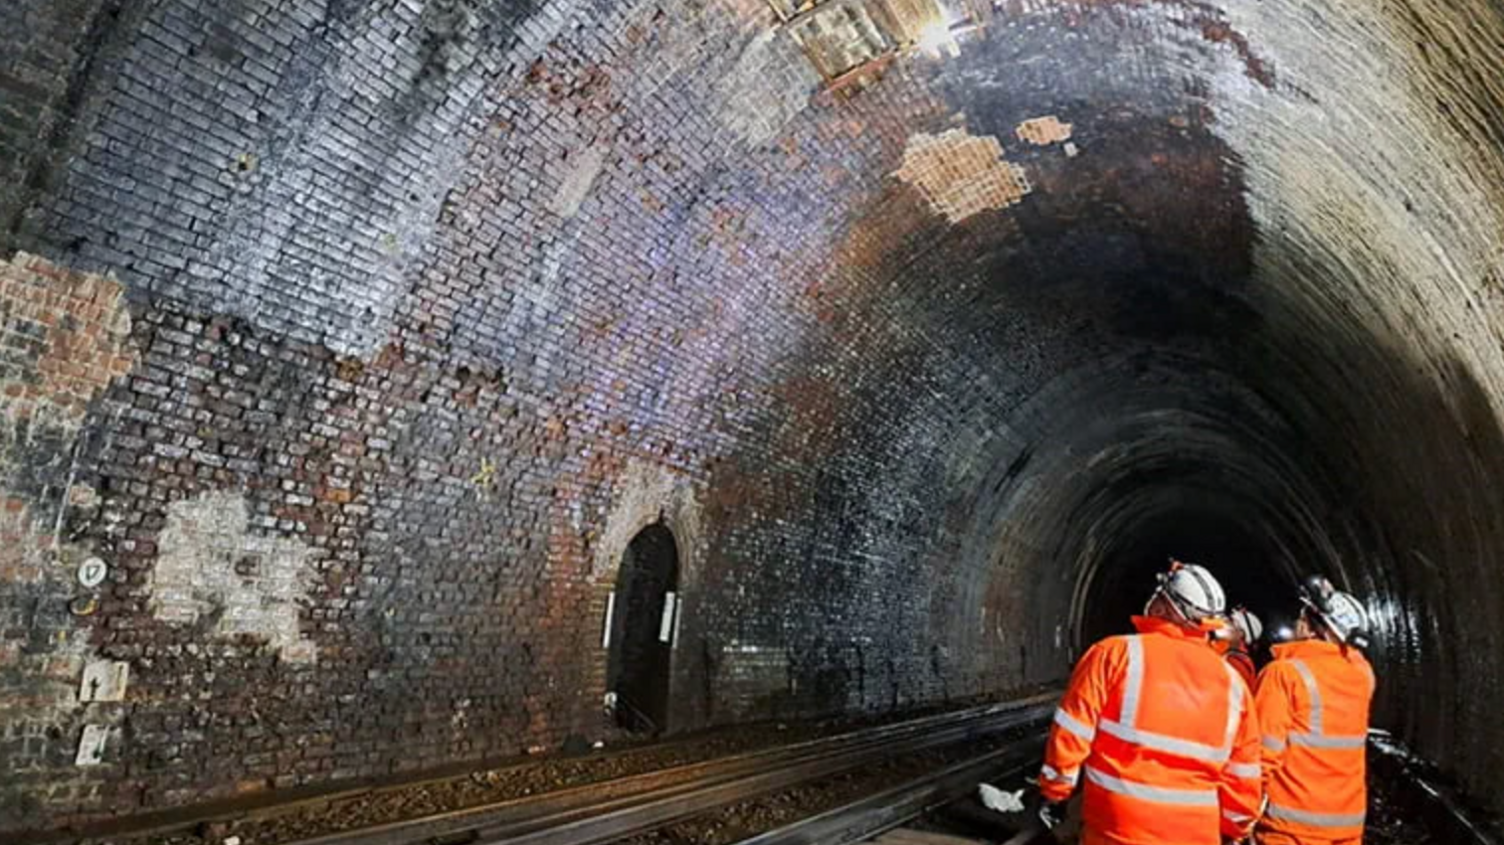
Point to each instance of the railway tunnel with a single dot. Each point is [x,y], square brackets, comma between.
[350,348]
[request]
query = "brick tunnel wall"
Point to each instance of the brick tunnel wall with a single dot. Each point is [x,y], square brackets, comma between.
[427,310]
[360,339]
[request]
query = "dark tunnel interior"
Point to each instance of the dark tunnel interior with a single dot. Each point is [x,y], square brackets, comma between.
[360,340]
[1195,531]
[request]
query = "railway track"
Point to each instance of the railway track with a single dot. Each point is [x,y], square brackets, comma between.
[941,801]
[893,808]
[614,810]
[927,809]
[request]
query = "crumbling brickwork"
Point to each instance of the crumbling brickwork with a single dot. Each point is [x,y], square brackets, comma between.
[64,338]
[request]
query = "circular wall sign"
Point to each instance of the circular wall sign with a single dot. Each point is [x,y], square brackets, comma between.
[91,572]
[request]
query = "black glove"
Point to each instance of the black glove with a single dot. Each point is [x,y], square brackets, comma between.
[1051,814]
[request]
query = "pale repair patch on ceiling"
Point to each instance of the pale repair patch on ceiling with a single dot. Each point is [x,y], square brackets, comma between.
[582,169]
[1043,131]
[769,85]
[211,567]
[850,41]
[961,174]
[839,36]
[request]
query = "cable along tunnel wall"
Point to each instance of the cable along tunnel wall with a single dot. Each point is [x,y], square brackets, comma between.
[421,311]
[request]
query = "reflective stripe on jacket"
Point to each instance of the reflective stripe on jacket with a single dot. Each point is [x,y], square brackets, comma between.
[1312,702]
[1161,733]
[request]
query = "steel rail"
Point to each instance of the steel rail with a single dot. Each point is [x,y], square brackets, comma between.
[616,808]
[595,827]
[861,820]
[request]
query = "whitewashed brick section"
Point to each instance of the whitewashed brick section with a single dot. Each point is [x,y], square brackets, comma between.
[209,563]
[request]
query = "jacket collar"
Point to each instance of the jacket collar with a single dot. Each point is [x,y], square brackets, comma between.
[1155,625]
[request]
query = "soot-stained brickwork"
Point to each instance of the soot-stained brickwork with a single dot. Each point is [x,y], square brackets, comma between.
[63,342]
[278,160]
[50,50]
[380,329]
[335,558]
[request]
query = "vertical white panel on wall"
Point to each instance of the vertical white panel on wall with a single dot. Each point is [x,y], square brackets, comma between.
[666,624]
[610,613]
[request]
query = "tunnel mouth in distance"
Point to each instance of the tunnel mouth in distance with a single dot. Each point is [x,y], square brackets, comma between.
[1243,561]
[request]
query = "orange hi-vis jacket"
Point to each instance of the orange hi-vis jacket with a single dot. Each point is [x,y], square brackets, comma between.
[1312,702]
[1244,664]
[1162,733]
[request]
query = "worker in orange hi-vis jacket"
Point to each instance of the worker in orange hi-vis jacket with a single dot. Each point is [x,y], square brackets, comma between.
[1237,640]
[1313,700]
[1157,729]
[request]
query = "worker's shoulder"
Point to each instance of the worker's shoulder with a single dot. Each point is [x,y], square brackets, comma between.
[1111,650]
[1203,657]
[1113,644]
[1353,662]
[1121,643]
[1279,667]
[1345,661]
[1360,661]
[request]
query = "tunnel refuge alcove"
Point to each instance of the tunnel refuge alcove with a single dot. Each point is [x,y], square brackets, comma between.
[642,623]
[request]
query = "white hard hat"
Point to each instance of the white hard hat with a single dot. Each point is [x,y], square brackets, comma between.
[1338,612]
[1192,590]
[1249,627]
